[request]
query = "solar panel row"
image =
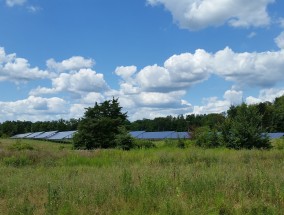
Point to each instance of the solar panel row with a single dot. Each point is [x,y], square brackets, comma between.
[51,135]
[55,135]
[159,135]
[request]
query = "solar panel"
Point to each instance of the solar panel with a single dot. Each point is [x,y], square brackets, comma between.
[45,135]
[177,135]
[21,135]
[155,135]
[62,135]
[136,133]
[275,135]
[33,135]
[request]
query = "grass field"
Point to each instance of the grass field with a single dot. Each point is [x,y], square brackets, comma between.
[50,178]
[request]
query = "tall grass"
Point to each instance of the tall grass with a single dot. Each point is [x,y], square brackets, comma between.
[57,180]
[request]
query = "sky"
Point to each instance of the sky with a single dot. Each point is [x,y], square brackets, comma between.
[159,57]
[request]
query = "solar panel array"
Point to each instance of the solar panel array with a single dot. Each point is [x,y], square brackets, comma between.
[46,135]
[136,133]
[21,135]
[62,135]
[160,135]
[65,135]
[34,135]
[275,135]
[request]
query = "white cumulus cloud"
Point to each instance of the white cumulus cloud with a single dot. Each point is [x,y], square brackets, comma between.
[34,109]
[265,95]
[85,80]
[280,40]
[215,105]
[198,14]
[12,3]
[17,69]
[257,69]
[73,63]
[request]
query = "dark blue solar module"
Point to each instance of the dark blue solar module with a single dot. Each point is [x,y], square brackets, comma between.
[33,135]
[21,135]
[136,133]
[275,135]
[155,135]
[62,135]
[45,135]
[177,135]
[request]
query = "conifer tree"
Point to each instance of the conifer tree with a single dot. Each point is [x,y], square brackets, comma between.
[100,125]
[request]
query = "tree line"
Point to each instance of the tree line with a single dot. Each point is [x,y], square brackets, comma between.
[271,119]
[11,128]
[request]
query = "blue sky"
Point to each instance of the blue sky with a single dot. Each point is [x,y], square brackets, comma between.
[160,57]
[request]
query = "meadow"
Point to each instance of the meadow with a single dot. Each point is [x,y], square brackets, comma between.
[39,177]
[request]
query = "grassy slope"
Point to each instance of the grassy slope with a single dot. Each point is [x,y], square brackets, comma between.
[49,178]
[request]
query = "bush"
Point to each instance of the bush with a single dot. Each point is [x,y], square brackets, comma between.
[19,146]
[124,140]
[144,144]
[204,137]
[242,129]
[17,161]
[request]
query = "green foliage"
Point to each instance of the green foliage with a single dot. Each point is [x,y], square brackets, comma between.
[19,146]
[278,143]
[143,144]
[23,208]
[123,140]
[100,125]
[242,128]
[279,113]
[180,143]
[163,180]
[53,200]
[19,161]
[207,138]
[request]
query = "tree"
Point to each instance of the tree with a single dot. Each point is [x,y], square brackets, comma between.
[124,140]
[243,128]
[100,125]
[279,113]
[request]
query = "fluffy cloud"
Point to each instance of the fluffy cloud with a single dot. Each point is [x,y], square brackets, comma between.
[34,108]
[83,81]
[265,95]
[155,99]
[196,14]
[154,78]
[126,72]
[280,40]
[178,73]
[214,105]
[264,69]
[17,69]
[71,64]
[12,3]
[258,69]
[187,69]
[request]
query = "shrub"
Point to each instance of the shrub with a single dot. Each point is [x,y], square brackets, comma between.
[242,129]
[19,146]
[124,140]
[17,161]
[144,144]
[204,137]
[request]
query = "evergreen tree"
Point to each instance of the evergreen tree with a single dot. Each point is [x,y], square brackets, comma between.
[243,128]
[100,125]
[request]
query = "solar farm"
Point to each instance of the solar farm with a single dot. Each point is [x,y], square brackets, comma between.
[50,135]
[68,135]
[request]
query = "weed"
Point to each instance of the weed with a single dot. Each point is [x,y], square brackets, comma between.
[17,161]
